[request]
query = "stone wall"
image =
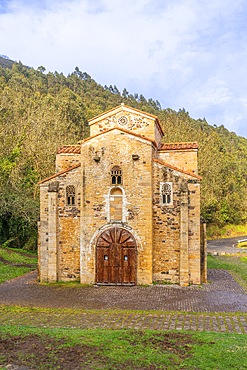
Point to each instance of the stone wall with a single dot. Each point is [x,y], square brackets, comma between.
[183,159]
[166,221]
[43,255]
[98,157]
[194,231]
[176,250]
[59,240]
[69,228]
[66,160]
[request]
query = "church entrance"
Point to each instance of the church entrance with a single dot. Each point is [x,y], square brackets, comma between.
[116,257]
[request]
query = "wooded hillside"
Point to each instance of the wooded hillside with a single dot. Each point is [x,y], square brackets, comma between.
[39,112]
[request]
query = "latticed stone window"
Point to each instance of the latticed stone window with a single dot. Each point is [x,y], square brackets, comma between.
[70,195]
[116,175]
[166,192]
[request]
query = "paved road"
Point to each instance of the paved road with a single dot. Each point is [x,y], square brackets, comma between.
[226,246]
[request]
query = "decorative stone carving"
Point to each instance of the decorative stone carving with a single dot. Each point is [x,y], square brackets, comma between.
[132,122]
[127,121]
[123,120]
[108,122]
[138,122]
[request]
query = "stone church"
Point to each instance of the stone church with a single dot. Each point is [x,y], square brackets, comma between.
[123,207]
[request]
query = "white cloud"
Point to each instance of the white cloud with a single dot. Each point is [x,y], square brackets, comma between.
[185,53]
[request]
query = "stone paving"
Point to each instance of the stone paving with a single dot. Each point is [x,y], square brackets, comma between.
[220,305]
[221,294]
[120,319]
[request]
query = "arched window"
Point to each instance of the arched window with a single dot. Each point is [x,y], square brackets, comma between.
[116,175]
[166,192]
[70,195]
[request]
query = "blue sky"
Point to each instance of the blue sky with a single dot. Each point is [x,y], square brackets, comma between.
[188,54]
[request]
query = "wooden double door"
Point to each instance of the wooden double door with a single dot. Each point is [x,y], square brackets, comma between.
[116,257]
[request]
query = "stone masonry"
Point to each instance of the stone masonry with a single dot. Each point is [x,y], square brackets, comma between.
[122,207]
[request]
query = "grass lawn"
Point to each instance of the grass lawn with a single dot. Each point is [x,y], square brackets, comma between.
[7,272]
[15,262]
[43,348]
[17,256]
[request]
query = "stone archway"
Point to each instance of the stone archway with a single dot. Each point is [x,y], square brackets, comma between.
[116,257]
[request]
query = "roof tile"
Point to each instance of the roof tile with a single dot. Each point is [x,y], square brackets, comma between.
[179,146]
[60,173]
[71,149]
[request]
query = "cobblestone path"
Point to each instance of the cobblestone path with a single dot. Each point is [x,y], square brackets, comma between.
[109,319]
[220,305]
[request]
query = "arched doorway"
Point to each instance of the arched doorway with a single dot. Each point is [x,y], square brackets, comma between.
[116,257]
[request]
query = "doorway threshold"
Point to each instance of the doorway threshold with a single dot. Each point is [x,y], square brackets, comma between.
[116,284]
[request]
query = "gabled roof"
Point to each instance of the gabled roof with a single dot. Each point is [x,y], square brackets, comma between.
[60,173]
[177,169]
[179,146]
[124,107]
[119,129]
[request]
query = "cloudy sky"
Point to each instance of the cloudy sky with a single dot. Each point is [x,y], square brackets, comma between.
[188,54]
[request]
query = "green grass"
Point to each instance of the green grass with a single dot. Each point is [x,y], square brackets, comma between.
[236,265]
[218,351]
[12,256]
[228,231]
[10,272]
[121,349]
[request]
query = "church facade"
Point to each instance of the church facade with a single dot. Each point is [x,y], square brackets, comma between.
[122,207]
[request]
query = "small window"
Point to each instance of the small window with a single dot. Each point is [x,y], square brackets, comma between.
[116,175]
[70,195]
[166,192]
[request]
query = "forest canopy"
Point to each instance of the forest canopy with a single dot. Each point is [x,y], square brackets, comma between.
[39,112]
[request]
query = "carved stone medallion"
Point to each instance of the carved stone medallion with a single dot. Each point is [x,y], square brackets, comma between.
[123,120]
